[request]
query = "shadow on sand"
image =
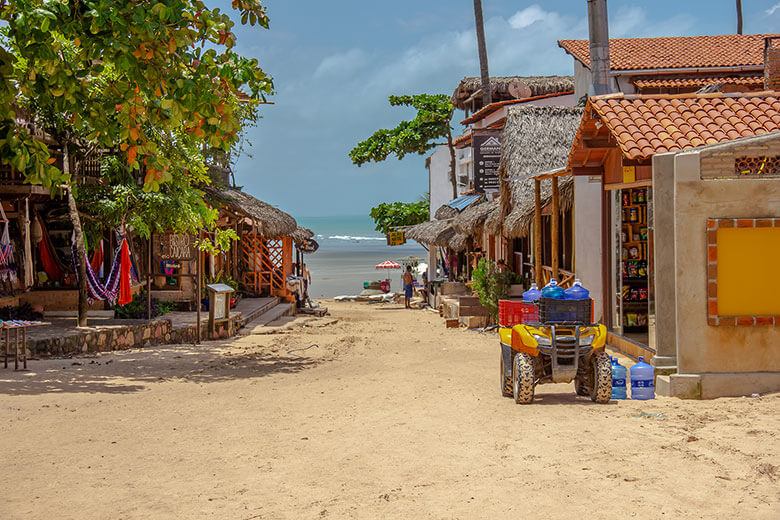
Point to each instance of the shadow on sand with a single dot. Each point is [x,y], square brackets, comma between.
[133,371]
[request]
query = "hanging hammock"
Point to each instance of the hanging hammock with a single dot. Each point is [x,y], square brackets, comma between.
[117,286]
[50,261]
[7,264]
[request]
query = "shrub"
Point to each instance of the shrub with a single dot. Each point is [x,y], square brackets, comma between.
[490,285]
[136,309]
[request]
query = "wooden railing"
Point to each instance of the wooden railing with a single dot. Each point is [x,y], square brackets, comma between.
[565,278]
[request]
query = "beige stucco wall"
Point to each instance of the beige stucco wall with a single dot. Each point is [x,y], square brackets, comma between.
[702,348]
[588,254]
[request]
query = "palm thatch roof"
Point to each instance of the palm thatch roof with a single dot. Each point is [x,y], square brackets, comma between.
[494,220]
[301,234]
[473,217]
[270,221]
[510,87]
[458,242]
[433,232]
[534,140]
[518,221]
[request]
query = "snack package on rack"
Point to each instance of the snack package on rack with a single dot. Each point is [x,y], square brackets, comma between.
[642,269]
[643,293]
[642,320]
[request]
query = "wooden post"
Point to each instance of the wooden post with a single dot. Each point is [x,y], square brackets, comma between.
[198,270]
[149,278]
[554,222]
[538,233]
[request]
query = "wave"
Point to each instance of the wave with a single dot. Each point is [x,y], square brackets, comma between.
[351,238]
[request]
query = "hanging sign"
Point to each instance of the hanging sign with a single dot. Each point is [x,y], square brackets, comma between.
[487,156]
[629,174]
[396,238]
[174,247]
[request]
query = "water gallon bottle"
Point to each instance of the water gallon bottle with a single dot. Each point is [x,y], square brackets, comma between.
[577,291]
[642,381]
[619,374]
[532,294]
[553,290]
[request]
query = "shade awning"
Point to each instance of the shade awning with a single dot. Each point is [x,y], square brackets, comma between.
[270,221]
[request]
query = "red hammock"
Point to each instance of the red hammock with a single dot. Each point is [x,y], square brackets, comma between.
[50,262]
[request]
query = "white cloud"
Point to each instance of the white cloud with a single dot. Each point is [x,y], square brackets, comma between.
[772,9]
[342,63]
[531,15]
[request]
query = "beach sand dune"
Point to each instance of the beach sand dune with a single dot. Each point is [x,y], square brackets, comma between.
[382,414]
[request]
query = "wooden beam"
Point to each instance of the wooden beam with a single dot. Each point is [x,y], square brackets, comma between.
[538,233]
[587,170]
[556,207]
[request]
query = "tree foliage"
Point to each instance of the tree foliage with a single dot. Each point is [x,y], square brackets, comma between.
[394,214]
[418,135]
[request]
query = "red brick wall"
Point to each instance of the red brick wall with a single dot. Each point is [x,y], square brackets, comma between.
[772,64]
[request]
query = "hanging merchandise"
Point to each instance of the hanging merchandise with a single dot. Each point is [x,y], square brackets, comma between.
[7,264]
[50,262]
[97,259]
[118,284]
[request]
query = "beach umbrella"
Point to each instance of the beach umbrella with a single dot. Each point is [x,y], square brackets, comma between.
[388,264]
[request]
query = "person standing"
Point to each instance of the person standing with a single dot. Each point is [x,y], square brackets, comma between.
[408,286]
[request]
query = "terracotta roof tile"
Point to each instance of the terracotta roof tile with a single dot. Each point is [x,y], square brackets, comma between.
[646,125]
[679,52]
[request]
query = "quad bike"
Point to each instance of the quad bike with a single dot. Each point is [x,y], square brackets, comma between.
[564,346]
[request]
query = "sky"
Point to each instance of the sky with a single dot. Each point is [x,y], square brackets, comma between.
[335,63]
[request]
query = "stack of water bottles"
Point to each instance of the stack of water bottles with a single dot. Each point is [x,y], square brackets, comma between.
[642,380]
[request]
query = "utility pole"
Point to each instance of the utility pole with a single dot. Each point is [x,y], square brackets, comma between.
[483,60]
[598,31]
[739,16]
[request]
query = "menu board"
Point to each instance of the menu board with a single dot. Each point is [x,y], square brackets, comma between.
[487,156]
[174,247]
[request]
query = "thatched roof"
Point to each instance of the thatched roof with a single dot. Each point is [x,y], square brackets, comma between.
[518,221]
[270,221]
[510,87]
[495,218]
[458,242]
[454,207]
[301,234]
[433,232]
[473,217]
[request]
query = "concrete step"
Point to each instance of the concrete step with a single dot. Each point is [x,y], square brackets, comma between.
[273,314]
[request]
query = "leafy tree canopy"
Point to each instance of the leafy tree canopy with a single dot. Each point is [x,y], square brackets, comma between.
[418,135]
[393,214]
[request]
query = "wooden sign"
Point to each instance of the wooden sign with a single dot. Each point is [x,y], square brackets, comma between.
[396,238]
[174,247]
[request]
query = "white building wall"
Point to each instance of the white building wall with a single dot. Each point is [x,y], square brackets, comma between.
[439,185]
[587,239]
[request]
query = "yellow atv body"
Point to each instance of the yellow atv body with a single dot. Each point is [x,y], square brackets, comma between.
[555,353]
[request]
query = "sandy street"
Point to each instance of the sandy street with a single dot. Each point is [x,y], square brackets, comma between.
[390,415]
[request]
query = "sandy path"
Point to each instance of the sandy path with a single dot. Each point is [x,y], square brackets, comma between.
[390,416]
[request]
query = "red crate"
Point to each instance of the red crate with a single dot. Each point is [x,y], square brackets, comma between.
[511,313]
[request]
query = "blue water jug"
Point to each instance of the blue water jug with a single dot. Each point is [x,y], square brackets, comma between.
[532,294]
[553,290]
[577,291]
[642,381]
[619,374]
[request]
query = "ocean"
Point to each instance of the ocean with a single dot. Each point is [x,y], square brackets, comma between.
[350,248]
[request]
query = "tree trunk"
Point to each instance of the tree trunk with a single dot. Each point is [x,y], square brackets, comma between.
[453,178]
[481,47]
[739,16]
[79,238]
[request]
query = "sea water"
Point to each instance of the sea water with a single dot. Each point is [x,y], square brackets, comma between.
[350,248]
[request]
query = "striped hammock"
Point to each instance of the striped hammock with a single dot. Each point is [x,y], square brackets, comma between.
[108,291]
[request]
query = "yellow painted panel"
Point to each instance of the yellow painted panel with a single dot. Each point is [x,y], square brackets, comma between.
[749,271]
[629,174]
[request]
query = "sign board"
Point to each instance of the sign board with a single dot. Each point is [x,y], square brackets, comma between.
[487,156]
[629,174]
[174,247]
[396,238]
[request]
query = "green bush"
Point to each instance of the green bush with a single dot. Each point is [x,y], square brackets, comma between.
[490,285]
[136,309]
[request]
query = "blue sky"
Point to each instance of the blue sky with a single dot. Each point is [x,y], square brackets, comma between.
[334,64]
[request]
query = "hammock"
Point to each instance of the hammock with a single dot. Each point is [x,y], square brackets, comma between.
[117,286]
[7,265]
[50,261]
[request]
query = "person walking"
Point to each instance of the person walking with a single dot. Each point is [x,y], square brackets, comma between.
[408,286]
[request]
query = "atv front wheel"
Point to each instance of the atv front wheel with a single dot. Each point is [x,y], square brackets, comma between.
[602,378]
[506,382]
[523,378]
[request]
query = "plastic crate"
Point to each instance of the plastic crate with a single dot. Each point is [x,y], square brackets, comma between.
[576,312]
[511,313]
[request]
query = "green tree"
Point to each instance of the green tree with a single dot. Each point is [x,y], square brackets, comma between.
[418,135]
[394,214]
[149,80]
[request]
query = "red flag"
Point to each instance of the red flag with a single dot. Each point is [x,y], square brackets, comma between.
[125,295]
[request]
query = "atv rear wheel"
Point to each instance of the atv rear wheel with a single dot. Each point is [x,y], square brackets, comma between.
[602,378]
[580,386]
[506,382]
[523,378]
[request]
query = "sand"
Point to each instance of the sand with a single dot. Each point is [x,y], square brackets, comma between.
[390,415]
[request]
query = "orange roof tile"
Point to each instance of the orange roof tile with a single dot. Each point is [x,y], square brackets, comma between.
[678,52]
[694,82]
[666,123]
